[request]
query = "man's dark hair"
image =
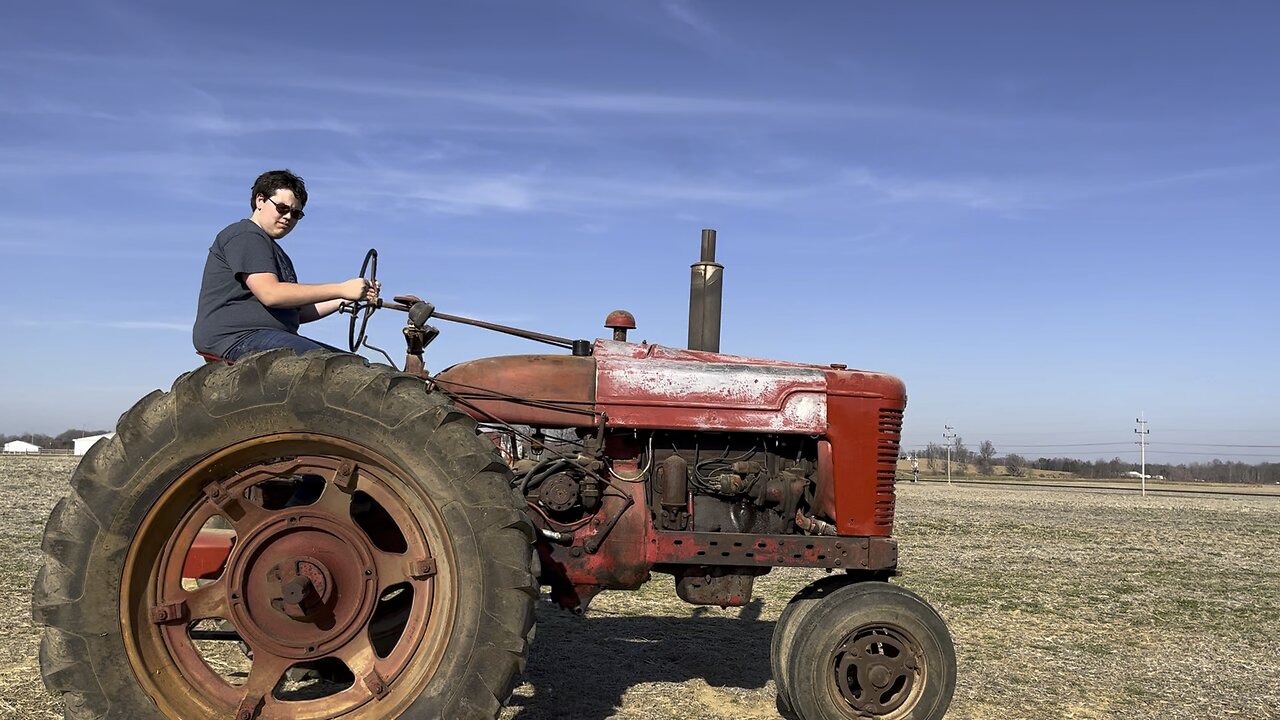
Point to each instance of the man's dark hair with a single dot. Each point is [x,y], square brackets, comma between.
[269,182]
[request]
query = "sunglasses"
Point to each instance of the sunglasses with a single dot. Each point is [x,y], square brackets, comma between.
[284,209]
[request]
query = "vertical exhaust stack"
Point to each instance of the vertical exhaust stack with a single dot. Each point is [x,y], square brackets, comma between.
[706,291]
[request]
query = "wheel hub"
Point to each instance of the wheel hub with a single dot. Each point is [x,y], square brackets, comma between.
[303,585]
[876,671]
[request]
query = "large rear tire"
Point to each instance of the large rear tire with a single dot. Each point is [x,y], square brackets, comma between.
[378,545]
[871,650]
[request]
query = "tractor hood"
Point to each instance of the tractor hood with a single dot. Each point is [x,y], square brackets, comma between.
[652,386]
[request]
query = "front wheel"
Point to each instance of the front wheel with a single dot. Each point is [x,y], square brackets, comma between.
[290,537]
[789,621]
[871,650]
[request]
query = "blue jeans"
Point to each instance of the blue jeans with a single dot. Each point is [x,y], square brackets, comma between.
[259,340]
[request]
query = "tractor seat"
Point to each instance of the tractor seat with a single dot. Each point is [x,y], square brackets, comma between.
[211,358]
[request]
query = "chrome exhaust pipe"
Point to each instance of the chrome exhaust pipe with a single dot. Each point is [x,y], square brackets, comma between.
[706,293]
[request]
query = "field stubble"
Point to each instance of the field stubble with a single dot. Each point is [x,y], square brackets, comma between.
[1063,604]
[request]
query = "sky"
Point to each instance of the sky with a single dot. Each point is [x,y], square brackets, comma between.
[1047,219]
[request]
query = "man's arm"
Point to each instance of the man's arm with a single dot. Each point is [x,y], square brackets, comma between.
[269,291]
[315,311]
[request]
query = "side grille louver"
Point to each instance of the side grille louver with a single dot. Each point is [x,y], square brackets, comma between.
[890,436]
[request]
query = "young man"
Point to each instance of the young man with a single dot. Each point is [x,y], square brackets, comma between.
[250,298]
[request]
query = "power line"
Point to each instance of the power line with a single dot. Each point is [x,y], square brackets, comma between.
[1154,447]
[1004,446]
[1214,445]
[1209,454]
[1103,454]
[1106,444]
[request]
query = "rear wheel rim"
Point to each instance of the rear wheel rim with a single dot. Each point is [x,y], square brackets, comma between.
[306,584]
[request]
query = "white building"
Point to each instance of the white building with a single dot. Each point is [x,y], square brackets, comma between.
[19,446]
[83,444]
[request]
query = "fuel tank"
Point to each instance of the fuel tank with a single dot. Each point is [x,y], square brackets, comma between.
[547,391]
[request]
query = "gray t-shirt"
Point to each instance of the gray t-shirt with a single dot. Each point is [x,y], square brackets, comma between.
[228,309]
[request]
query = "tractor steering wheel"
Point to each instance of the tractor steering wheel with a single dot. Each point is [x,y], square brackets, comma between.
[360,310]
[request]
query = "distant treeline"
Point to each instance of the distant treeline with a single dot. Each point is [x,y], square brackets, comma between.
[51,442]
[985,460]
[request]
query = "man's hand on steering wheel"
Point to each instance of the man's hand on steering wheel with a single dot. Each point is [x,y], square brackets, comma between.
[361,290]
[353,289]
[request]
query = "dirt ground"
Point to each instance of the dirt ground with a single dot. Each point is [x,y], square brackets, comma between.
[1063,604]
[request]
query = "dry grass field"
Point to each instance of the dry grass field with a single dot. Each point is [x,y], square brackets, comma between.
[1063,604]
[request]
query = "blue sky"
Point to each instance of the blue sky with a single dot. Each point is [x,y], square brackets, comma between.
[1046,219]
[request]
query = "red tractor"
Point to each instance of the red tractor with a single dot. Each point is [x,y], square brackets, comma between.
[318,537]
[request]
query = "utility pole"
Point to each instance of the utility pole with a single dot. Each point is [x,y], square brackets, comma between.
[1143,432]
[949,435]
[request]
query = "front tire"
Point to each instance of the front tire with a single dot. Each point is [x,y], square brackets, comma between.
[871,650]
[789,621]
[377,543]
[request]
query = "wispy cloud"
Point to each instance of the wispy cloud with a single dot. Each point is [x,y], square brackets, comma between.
[148,325]
[475,250]
[685,15]
[543,102]
[371,184]
[32,235]
[976,194]
[34,106]
[501,193]
[577,191]
[192,122]
[168,163]
[222,124]
[143,325]
[1078,186]
[435,97]
[561,191]
[1188,178]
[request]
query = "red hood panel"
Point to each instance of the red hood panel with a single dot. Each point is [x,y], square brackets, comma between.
[657,387]
[650,386]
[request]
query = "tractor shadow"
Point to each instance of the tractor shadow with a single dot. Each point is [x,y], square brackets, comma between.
[581,667]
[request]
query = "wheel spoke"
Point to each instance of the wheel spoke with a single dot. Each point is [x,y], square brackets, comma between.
[209,601]
[903,664]
[853,650]
[264,675]
[393,569]
[334,501]
[245,516]
[362,661]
